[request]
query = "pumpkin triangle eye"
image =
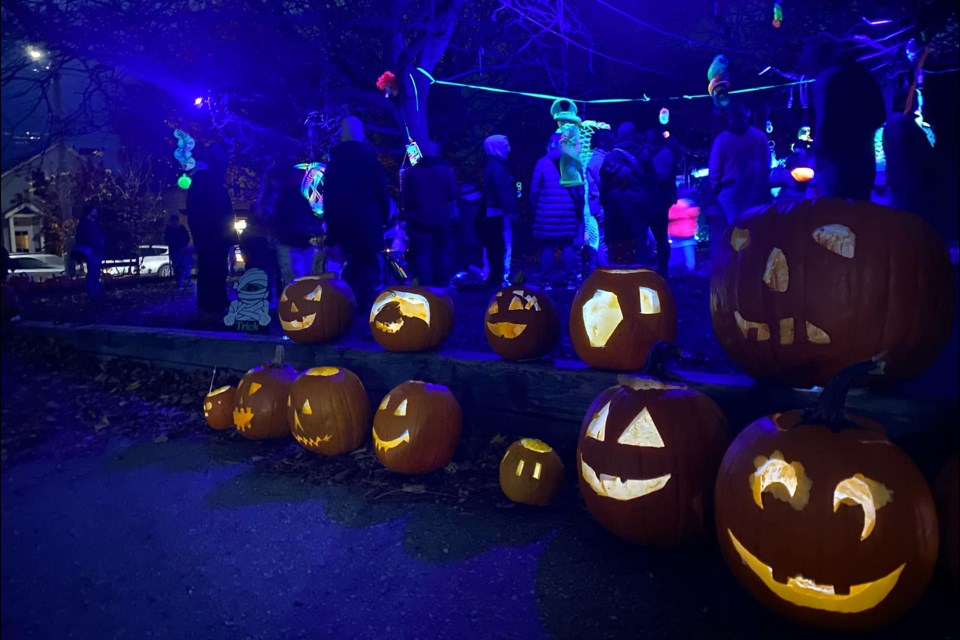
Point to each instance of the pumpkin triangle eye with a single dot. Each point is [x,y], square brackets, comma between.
[254,387]
[642,432]
[401,409]
[515,304]
[314,296]
[293,307]
[384,403]
[493,308]
[306,409]
[597,429]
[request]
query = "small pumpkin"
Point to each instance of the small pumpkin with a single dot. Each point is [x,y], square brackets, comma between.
[618,315]
[416,428]
[316,309]
[531,472]
[260,409]
[802,289]
[647,458]
[328,410]
[411,318]
[823,519]
[521,322]
[218,407]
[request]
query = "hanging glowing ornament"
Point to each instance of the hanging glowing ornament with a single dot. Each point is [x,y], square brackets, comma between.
[804,134]
[878,154]
[924,125]
[664,116]
[769,127]
[184,181]
[312,185]
[387,83]
[182,154]
[777,15]
[719,86]
[666,134]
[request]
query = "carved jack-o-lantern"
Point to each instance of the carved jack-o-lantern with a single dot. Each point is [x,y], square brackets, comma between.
[521,322]
[531,472]
[218,407]
[647,458]
[316,309]
[416,428]
[328,410]
[260,408]
[618,315]
[825,521]
[411,318]
[801,290]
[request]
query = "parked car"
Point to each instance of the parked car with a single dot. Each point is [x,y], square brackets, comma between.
[154,260]
[38,266]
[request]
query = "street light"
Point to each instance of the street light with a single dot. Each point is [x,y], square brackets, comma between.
[239,225]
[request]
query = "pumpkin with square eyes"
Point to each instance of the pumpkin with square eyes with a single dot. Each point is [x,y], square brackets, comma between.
[411,318]
[618,315]
[328,410]
[416,428]
[521,322]
[802,289]
[823,519]
[260,405]
[218,407]
[531,472]
[316,309]
[647,456]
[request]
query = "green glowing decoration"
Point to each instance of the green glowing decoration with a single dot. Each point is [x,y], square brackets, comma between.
[184,181]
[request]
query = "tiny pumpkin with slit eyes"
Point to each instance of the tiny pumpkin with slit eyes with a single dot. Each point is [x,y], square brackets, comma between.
[531,472]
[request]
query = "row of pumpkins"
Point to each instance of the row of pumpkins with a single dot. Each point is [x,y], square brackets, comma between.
[799,291]
[817,514]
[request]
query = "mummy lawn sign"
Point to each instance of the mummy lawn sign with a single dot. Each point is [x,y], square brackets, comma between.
[250,310]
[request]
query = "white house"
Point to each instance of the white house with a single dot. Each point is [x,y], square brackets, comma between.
[22,220]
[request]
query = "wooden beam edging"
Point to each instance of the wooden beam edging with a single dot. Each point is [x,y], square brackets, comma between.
[546,396]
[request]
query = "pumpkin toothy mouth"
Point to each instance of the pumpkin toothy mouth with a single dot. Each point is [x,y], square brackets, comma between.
[787,334]
[298,325]
[804,592]
[506,329]
[617,489]
[313,442]
[243,419]
[386,445]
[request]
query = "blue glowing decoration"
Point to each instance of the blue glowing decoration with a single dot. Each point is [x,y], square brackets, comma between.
[878,154]
[924,126]
[769,127]
[700,173]
[664,116]
[185,145]
[312,185]
[519,189]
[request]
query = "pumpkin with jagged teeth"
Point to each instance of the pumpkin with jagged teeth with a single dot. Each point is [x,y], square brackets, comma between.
[328,410]
[218,407]
[416,428]
[260,405]
[521,322]
[316,309]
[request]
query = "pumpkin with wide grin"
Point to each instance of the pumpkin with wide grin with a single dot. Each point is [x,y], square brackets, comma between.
[316,309]
[416,428]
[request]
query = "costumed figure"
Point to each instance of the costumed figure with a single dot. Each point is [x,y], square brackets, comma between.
[251,304]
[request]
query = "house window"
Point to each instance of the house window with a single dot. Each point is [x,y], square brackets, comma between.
[22,243]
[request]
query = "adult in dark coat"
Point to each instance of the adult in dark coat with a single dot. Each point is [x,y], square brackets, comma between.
[90,247]
[178,242]
[429,195]
[356,204]
[210,213]
[557,216]
[500,205]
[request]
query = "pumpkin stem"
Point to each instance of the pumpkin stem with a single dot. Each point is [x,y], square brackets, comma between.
[277,357]
[657,359]
[830,409]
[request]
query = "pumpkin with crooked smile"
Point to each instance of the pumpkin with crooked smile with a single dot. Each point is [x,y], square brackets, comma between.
[416,428]
[260,406]
[316,308]
[824,520]
[328,410]
[647,457]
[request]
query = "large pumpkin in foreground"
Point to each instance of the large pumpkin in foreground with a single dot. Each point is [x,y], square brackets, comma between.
[618,315]
[328,410]
[825,522]
[647,458]
[801,290]
[416,428]
[521,322]
[411,318]
[316,308]
[260,406]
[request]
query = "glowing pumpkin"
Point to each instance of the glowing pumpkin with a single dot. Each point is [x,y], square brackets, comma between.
[260,409]
[823,519]
[411,318]
[531,472]
[218,407]
[416,428]
[802,289]
[316,309]
[647,458]
[521,322]
[618,315]
[328,410]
